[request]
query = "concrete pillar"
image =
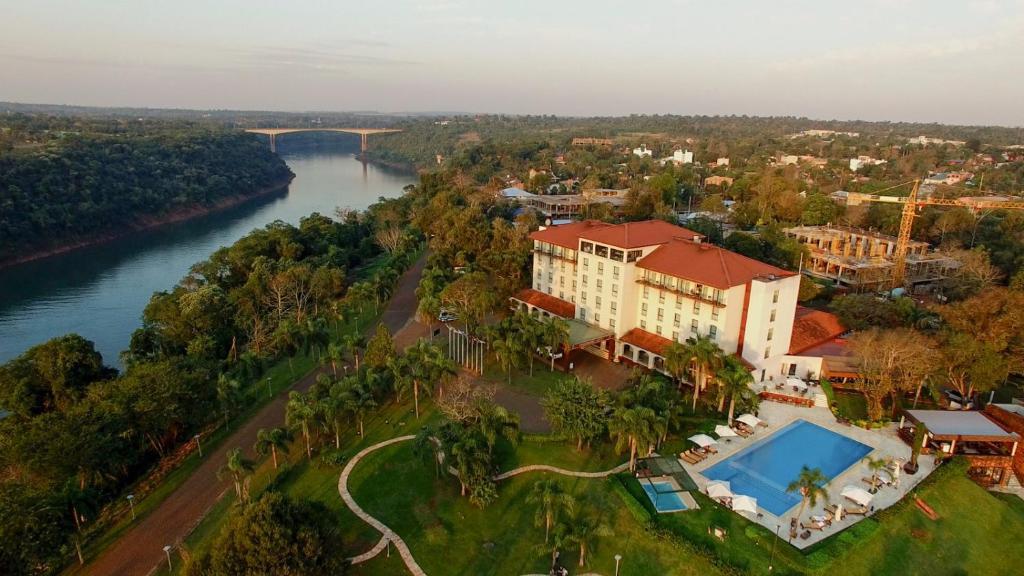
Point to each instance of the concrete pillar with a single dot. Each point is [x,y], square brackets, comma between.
[362,143]
[273,144]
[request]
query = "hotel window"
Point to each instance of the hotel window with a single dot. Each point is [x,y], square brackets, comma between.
[696,307]
[615,272]
[586,263]
[551,276]
[632,255]
[615,289]
[583,297]
[643,324]
[561,265]
[771,331]
[561,295]
[600,283]
[698,290]
[549,289]
[679,302]
[597,317]
[661,314]
[614,307]
[597,301]
[772,317]
[647,291]
[561,281]
[716,295]
[600,267]
[616,255]
[714,313]
[767,352]
[611,323]
[583,313]
[713,332]
[675,336]
[586,247]
[643,309]
[676,319]
[601,251]
[693,326]
[661,297]
[775,297]
[657,329]
[584,280]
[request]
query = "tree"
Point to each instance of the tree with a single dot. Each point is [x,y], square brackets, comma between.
[301,413]
[556,337]
[508,351]
[811,486]
[577,409]
[275,535]
[734,380]
[876,465]
[272,441]
[552,501]
[359,401]
[229,393]
[636,428]
[678,361]
[336,353]
[994,316]
[353,343]
[239,468]
[970,365]
[891,364]
[582,529]
[381,348]
[707,357]
[493,421]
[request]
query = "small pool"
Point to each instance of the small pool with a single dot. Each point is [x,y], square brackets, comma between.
[764,469]
[663,497]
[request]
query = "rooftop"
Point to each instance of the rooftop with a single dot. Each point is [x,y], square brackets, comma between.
[628,235]
[708,264]
[555,306]
[812,328]
[961,424]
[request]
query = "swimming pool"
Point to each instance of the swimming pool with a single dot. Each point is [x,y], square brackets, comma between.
[662,498]
[764,469]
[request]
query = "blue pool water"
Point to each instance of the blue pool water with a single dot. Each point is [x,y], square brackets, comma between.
[764,469]
[664,501]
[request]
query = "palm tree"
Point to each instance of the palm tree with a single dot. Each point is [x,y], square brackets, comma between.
[637,428]
[359,401]
[556,335]
[468,454]
[508,350]
[336,352]
[428,308]
[400,368]
[228,393]
[300,413]
[353,343]
[553,500]
[706,357]
[427,444]
[583,529]
[531,334]
[239,468]
[677,360]
[734,380]
[811,486]
[876,465]
[271,441]
[496,421]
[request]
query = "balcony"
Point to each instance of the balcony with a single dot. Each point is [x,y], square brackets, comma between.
[689,294]
[556,255]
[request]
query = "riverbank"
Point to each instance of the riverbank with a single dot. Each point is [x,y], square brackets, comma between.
[148,223]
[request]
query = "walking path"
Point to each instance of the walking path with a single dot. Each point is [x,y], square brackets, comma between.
[389,535]
[140,549]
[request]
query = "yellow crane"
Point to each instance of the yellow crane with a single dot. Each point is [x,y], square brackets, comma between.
[912,204]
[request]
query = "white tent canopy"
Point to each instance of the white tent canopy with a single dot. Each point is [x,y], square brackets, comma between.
[792,381]
[724,431]
[749,420]
[719,489]
[702,440]
[741,503]
[857,494]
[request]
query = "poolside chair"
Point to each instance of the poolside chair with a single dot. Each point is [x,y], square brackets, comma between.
[688,458]
[813,526]
[859,511]
[743,432]
[710,450]
[831,509]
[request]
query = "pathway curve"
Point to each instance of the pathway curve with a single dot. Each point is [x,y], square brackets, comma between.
[140,549]
[387,534]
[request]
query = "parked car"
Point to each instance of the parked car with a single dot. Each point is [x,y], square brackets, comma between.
[446,316]
[954,396]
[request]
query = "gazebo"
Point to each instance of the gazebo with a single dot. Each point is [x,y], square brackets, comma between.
[987,445]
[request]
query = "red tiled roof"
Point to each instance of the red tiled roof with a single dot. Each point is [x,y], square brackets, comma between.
[646,340]
[812,328]
[637,234]
[628,235]
[556,306]
[567,235]
[707,264]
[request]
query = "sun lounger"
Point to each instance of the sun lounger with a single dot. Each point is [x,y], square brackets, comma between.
[689,459]
[858,511]
[743,432]
[812,526]
[710,450]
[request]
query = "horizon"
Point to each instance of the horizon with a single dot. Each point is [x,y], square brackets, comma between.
[886,61]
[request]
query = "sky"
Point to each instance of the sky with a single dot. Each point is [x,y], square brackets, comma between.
[954,62]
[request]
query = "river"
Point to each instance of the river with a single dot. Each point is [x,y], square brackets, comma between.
[100,291]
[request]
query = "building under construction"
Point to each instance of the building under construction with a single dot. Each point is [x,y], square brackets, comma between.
[865,260]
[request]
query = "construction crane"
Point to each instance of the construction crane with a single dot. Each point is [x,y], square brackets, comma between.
[910,207]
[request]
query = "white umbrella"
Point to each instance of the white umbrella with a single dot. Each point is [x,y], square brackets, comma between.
[724,431]
[857,494]
[719,489]
[702,440]
[741,503]
[749,420]
[796,382]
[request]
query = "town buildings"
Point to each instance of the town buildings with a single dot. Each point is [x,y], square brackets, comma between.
[634,288]
[643,151]
[925,141]
[859,161]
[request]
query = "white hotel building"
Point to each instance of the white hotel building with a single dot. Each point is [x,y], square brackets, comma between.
[633,288]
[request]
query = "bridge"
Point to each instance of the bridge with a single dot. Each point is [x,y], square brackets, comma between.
[364,133]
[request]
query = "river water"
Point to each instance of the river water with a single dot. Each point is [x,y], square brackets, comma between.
[100,291]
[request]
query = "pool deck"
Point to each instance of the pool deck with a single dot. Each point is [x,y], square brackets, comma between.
[884,443]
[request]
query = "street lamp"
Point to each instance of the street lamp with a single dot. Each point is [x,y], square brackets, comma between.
[771,563]
[618,558]
[167,550]
[131,504]
[198,445]
[270,393]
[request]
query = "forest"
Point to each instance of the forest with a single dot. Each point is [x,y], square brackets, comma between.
[67,186]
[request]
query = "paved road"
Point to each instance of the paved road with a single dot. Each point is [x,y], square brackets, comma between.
[140,550]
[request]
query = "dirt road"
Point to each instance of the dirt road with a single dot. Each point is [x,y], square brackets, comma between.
[140,550]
